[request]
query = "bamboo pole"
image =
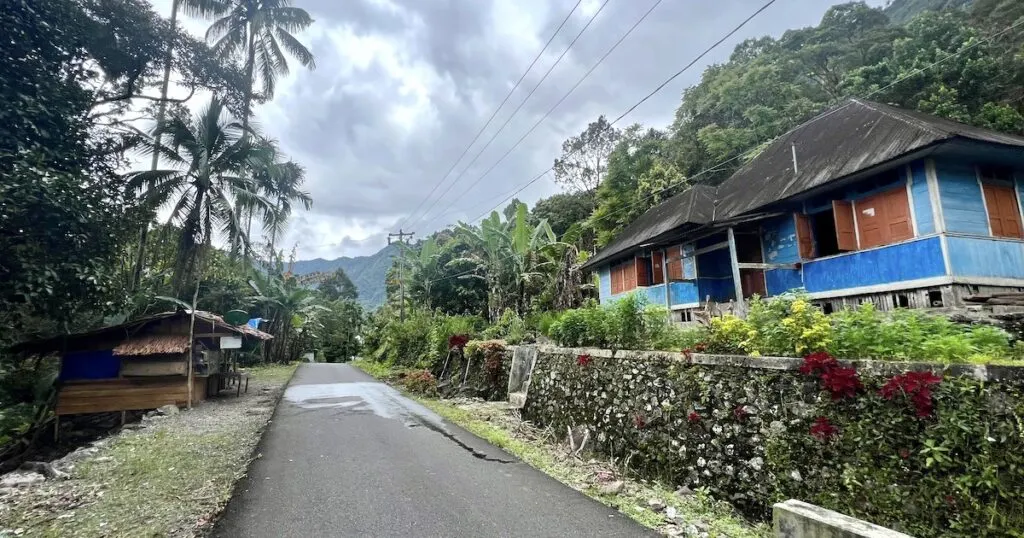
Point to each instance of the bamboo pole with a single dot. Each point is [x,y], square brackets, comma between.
[192,329]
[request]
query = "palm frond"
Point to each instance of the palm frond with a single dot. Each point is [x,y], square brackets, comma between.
[295,48]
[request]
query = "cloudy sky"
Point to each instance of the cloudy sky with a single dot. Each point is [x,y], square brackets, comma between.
[402,86]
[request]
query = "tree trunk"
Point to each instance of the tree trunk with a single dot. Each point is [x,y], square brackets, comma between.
[250,64]
[160,112]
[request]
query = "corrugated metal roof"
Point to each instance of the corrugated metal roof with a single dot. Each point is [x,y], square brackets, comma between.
[850,138]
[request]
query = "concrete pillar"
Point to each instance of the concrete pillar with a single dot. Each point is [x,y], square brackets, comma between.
[797,519]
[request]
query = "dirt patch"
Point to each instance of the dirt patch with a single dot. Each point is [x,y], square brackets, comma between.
[167,476]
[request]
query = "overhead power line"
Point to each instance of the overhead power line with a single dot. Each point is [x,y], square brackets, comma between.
[495,113]
[820,117]
[514,112]
[558,103]
[660,87]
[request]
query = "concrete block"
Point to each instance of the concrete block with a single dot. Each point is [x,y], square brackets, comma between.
[797,519]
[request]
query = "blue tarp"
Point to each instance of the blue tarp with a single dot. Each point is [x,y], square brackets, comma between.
[254,323]
[100,364]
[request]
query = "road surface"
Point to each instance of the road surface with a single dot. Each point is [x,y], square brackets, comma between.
[346,455]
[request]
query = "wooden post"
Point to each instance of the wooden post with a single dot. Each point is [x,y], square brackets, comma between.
[56,429]
[735,262]
[664,279]
[191,335]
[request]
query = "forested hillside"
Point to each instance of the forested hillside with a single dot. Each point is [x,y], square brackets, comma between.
[366,272]
[901,11]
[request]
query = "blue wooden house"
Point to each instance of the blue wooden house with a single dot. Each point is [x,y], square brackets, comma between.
[865,202]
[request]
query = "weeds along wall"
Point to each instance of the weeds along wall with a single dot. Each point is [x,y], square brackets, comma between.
[933,452]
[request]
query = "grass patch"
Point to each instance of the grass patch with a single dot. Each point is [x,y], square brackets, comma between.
[714,517]
[170,478]
[376,369]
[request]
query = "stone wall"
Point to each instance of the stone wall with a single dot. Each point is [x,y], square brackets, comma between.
[744,429]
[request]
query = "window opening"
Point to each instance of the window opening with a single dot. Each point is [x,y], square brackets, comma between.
[824,226]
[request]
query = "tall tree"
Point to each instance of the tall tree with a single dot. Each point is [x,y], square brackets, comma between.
[212,159]
[585,157]
[338,286]
[259,32]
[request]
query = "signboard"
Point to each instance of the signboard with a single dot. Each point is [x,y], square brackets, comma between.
[230,342]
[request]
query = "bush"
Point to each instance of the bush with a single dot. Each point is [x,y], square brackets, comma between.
[444,327]
[401,343]
[541,322]
[510,328]
[626,324]
[420,382]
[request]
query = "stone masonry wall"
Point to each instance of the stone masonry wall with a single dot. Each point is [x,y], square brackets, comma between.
[744,429]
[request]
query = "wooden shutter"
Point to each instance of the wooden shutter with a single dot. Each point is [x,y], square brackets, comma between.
[657,263]
[629,275]
[642,277]
[897,215]
[1003,211]
[846,234]
[616,279]
[804,240]
[675,263]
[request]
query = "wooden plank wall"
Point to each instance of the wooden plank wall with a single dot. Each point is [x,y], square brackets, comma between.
[126,394]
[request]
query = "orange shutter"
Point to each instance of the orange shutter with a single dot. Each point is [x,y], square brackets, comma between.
[657,261]
[616,280]
[1003,212]
[897,213]
[675,263]
[846,234]
[805,242]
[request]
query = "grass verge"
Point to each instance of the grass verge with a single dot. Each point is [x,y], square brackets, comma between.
[696,513]
[170,478]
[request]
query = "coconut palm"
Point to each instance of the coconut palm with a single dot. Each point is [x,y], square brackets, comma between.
[212,161]
[259,32]
[279,181]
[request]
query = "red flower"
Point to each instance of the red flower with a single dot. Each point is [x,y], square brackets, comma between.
[693,417]
[741,413]
[583,360]
[639,421]
[904,453]
[841,382]
[917,386]
[458,341]
[700,348]
[823,430]
[817,363]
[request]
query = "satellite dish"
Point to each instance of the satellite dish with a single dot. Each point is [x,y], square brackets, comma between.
[236,317]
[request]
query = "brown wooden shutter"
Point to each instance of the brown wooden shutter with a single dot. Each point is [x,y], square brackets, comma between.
[871,221]
[897,215]
[629,275]
[616,279]
[1003,212]
[846,234]
[642,277]
[657,262]
[804,240]
[675,263]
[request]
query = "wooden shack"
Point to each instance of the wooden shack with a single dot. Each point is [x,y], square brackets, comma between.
[142,364]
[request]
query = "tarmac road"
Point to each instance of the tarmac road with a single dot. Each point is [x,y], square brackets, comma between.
[346,455]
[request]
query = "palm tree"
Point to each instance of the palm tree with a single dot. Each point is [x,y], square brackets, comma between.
[259,32]
[203,8]
[212,158]
[280,181]
[291,309]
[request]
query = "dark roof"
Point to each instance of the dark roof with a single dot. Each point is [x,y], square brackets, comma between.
[695,205]
[128,329]
[850,138]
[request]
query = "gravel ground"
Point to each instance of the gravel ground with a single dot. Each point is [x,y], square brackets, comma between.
[165,476]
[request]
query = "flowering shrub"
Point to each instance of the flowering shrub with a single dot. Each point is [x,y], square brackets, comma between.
[458,341]
[420,382]
[823,430]
[693,417]
[840,381]
[583,360]
[917,387]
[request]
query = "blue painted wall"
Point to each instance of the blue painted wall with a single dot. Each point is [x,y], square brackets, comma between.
[720,289]
[779,281]
[604,288]
[979,256]
[960,195]
[779,241]
[886,265]
[90,365]
[683,292]
[714,271]
[924,217]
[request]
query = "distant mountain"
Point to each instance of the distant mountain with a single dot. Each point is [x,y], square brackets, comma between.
[366,272]
[901,11]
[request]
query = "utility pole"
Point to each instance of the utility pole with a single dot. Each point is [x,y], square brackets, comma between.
[401,267]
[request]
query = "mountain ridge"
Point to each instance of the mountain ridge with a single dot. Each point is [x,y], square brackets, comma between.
[366,272]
